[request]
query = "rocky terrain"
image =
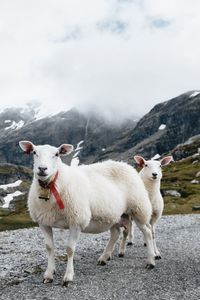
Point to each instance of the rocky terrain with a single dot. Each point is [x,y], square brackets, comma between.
[176,275]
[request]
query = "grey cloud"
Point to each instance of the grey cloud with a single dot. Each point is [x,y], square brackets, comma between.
[113,26]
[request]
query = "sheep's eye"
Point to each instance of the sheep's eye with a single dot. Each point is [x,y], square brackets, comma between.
[57,154]
[34,152]
[146,165]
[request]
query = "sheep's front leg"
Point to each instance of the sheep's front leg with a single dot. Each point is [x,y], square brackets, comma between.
[157,253]
[74,233]
[146,230]
[48,235]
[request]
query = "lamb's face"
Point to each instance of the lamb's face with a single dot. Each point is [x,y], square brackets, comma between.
[152,169]
[46,158]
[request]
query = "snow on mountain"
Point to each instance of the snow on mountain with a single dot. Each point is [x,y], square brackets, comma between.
[10,185]
[15,125]
[194,94]
[162,127]
[75,159]
[9,198]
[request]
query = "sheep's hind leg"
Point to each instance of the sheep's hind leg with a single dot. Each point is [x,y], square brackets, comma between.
[74,233]
[131,234]
[114,235]
[122,247]
[149,242]
[126,232]
[48,235]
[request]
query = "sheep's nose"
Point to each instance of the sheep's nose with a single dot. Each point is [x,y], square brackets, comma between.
[155,174]
[42,169]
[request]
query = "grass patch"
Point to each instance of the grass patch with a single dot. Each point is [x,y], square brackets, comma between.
[178,176]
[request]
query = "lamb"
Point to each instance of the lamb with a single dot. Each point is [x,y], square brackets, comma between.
[88,198]
[151,175]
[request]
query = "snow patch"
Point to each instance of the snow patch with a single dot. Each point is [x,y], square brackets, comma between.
[194,94]
[75,162]
[15,125]
[103,149]
[78,147]
[7,121]
[157,156]
[9,198]
[162,126]
[10,185]
[75,159]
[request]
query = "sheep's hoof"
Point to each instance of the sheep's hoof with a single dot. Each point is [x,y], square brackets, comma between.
[109,258]
[65,283]
[47,280]
[145,244]
[121,254]
[157,257]
[150,266]
[130,244]
[101,263]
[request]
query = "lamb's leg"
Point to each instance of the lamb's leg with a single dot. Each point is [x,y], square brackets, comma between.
[149,241]
[131,234]
[74,233]
[157,253]
[48,235]
[114,235]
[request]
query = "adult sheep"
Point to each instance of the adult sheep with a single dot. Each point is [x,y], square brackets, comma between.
[89,198]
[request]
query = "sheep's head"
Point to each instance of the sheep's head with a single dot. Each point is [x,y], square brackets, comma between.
[46,158]
[152,169]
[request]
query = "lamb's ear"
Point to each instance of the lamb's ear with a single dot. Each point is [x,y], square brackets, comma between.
[139,160]
[26,146]
[65,149]
[166,160]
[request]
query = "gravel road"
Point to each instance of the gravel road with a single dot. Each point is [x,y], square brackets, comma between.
[176,276]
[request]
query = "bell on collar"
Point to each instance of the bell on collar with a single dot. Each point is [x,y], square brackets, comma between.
[44,194]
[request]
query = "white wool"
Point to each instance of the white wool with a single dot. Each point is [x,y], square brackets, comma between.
[100,192]
[94,196]
[151,174]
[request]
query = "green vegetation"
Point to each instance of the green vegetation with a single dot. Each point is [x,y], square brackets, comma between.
[178,176]
[17,217]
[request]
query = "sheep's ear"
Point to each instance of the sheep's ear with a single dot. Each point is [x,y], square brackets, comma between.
[166,160]
[65,149]
[139,160]
[26,146]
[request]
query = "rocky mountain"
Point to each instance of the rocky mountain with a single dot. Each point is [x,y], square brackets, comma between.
[72,127]
[167,125]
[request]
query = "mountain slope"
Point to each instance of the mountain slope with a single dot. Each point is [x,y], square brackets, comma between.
[65,127]
[168,124]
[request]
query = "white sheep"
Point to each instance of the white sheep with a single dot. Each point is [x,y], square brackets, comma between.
[151,175]
[88,199]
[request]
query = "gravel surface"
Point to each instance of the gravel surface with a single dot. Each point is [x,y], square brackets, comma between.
[176,276]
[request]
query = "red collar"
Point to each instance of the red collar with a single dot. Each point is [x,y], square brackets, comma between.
[51,185]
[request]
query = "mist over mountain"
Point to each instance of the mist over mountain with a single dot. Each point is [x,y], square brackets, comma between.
[167,125]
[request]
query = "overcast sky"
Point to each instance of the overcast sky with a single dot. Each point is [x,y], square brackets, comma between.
[122,56]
